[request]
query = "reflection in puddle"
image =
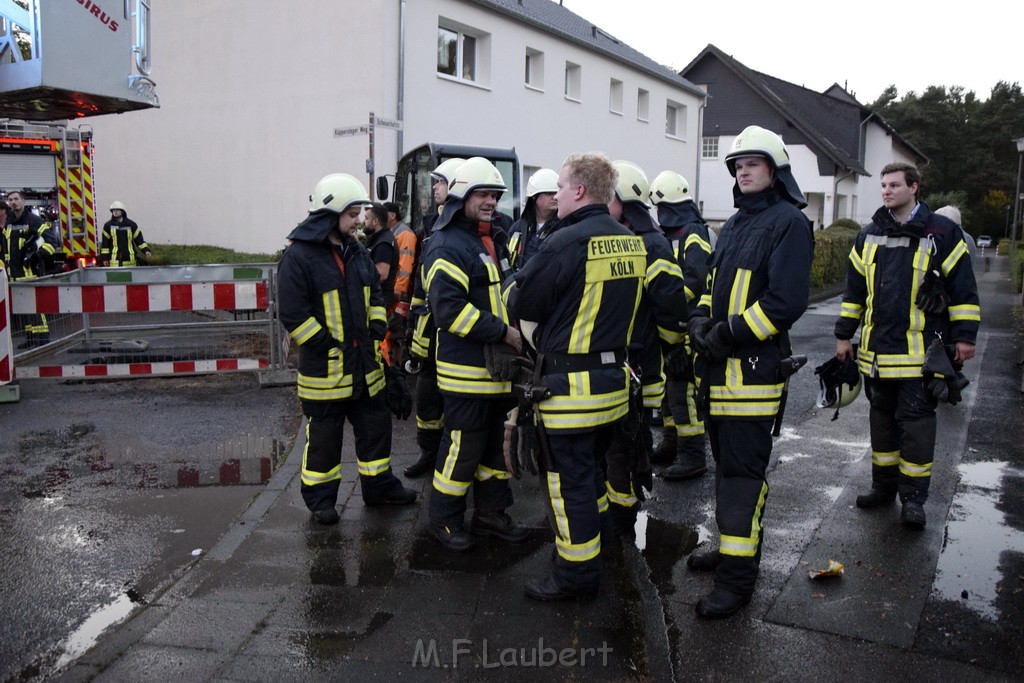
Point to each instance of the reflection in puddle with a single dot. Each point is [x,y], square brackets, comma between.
[89,632]
[486,558]
[663,545]
[976,535]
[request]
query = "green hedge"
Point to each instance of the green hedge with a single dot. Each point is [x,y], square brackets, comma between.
[194,254]
[832,251]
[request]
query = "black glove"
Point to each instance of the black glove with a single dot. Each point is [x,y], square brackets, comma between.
[500,361]
[938,387]
[932,297]
[718,342]
[678,364]
[397,394]
[698,328]
[397,326]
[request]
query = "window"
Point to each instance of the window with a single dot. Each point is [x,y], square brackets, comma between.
[675,119]
[643,104]
[457,53]
[615,96]
[534,69]
[573,81]
[709,148]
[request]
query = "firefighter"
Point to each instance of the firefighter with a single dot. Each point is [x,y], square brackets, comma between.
[758,286]
[660,323]
[911,282]
[122,243]
[398,315]
[686,231]
[380,242]
[27,247]
[536,222]
[582,289]
[429,402]
[330,302]
[465,265]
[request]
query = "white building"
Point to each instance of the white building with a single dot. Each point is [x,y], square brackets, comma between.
[251,94]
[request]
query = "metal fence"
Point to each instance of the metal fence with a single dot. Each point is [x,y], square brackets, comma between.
[150,321]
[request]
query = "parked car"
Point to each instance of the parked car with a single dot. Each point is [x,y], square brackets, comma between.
[984,241]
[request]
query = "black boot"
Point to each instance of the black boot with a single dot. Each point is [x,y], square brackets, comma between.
[884,483]
[451,535]
[913,515]
[703,562]
[426,462]
[721,604]
[691,460]
[666,450]
[499,525]
[548,590]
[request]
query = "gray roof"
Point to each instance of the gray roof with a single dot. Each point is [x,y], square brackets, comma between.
[551,17]
[830,122]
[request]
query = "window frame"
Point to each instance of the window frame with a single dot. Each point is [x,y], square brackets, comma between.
[574,79]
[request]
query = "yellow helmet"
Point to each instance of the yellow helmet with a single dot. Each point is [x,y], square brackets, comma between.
[671,188]
[476,173]
[757,141]
[632,185]
[544,180]
[118,205]
[446,168]
[336,192]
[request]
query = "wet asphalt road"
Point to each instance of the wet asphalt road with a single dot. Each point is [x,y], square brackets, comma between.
[99,509]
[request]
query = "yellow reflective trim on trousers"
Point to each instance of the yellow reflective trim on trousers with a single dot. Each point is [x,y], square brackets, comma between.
[740,546]
[622,499]
[311,478]
[885,458]
[465,320]
[758,322]
[586,316]
[654,394]
[443,483]
[373,467]
[432,425]
[561,520]
[449,269]
[304,332]
[578,552]
[484,473]
[452,455]
[962,312]
[913,469]
[740,291]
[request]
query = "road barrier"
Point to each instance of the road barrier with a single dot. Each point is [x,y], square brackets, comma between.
[151,321]
[9,393]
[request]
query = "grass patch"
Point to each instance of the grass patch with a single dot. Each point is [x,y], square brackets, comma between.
[197,254]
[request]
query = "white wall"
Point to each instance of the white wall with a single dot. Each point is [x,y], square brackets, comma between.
[250,100]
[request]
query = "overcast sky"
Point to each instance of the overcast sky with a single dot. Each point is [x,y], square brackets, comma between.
[866,45]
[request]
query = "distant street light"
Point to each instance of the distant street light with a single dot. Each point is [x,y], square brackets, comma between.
[1006,232]
[1016,196]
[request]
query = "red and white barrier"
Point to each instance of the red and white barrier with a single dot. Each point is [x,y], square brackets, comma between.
[139,298]
[6,347]
[113,370]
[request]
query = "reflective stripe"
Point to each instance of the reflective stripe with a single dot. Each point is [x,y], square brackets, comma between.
[310,477]
[465,320]
[484,473]
[602,503]
[578,552]
[306,330]
[913,469]
[758,322]
[583,326]
[449,269]
[740,546]
[954,257]
[850,309]
[965,312]
[885,458]
[558,505]
[443,483]
[373,467]
[432,425]
[624,499]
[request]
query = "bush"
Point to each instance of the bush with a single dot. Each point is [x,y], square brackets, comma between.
[195,254]
[845,224]
[832,251]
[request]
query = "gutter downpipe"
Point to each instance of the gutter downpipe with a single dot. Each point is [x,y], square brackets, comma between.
[400,105]
[700,145]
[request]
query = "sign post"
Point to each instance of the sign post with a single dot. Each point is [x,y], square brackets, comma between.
[369,129]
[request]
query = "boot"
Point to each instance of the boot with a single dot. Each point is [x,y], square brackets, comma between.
[328,516]
[451,535]
[397,495]
[691,460]
[499,525]
[913,515]
[623,522]
[666,450]
[721,604]
[703,562]
[884,483]
[548,590]
[426,462]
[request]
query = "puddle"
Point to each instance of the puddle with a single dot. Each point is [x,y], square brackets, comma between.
[487,557]
[663,544]
[370,560]
[976,535]
[330,646]
[89,632]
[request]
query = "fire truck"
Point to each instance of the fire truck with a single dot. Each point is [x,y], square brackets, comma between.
[61,61]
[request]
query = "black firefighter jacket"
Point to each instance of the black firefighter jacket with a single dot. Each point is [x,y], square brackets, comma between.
[759,281]
[888,263]
[337,318]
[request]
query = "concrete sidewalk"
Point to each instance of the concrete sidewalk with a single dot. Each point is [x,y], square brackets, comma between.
[280,597]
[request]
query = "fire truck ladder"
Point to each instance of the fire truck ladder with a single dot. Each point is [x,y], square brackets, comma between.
[78,192]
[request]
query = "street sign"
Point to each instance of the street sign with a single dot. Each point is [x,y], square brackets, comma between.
[388,123]
[351,130]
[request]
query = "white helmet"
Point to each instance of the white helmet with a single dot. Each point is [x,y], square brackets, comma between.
[671,188]
[336,192]
[476,173]
[446,168]
[840,383]
[757,141]
[118,205]
[632,185]
[544,180]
